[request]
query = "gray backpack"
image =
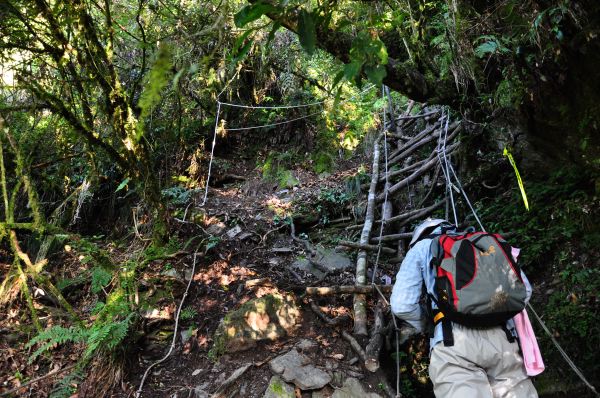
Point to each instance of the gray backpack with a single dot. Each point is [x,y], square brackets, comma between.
[478,283]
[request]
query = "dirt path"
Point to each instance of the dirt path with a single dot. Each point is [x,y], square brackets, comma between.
[253,244]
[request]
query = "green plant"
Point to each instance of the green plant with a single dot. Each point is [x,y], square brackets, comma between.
[213,241]
[112,322]
[332,202]
[100,278]
[66,387]
[560,210]
[155,252]
[276,168]
[178,196]
[278,220]
[188,313]
[101,336]
[559,241]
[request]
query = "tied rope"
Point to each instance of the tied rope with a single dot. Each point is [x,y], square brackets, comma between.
[220,104]
[443,159]
[449,185]
[379,246]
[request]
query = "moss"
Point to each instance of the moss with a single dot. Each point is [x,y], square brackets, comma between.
[264,304]
[277,387]
[217,349]
[264,318]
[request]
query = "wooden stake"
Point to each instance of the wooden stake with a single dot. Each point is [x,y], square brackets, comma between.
[374,347]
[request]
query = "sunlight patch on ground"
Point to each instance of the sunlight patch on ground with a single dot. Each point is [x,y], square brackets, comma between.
[223,274]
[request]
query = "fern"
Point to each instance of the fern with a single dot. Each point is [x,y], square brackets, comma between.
[54,336]
[65,387]
[107,336]
[100,278]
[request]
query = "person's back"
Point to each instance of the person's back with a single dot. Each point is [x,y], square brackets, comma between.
[464,361]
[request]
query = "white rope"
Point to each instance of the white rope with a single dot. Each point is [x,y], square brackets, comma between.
[369,87]
[379,246]
[444,166]
[219,103]
[466,198]
[448,167]
[562,352]
[272,107]
[272,124]
[385,200]
[138,393]
[212,152]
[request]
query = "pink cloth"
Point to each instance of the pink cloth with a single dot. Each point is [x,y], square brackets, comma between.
[532,357]
[515,252]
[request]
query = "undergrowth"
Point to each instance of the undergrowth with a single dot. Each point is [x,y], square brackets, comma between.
[113,316]
[276,168]
[560,238]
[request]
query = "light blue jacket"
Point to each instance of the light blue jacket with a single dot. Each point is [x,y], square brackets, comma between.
[406,292]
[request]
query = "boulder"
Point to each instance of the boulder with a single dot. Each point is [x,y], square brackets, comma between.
[353,389]
[278,388]
[331,259]
[296,368]
[307,345]
[266,318]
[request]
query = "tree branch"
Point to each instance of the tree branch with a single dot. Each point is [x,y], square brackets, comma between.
[402,75]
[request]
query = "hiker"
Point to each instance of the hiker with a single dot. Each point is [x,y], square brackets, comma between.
[465,361]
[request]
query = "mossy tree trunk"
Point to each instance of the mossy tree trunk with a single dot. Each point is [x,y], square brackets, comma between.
[83,86]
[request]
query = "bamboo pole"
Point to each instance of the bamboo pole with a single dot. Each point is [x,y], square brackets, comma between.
[408,180]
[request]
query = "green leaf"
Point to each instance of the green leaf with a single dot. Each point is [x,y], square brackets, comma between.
[243,52]
[240,40]
[489,47]
[251,13]
[338,95]
[306,31]
[178,75]
[240,51]
[352,69]
[343,23]
[339,76]
[375,73]
[381,52]
[276,26]
[122,184]
[100,278]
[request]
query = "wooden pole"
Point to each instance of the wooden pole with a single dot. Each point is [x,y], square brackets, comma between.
[368,247]
[346,289]
[360,304]
[376,342]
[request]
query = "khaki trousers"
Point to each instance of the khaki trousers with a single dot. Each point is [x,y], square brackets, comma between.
[481,364]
